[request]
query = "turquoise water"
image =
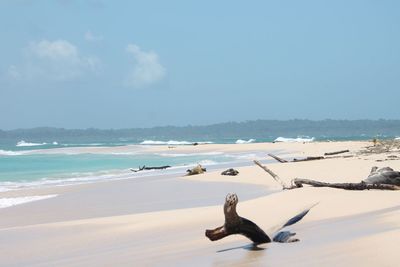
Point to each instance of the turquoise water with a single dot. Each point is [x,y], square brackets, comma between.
[22,170]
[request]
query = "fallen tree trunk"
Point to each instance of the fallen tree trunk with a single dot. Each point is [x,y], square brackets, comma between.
[297,183]
[336,152]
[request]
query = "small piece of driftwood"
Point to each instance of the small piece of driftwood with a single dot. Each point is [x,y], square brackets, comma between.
[234,224]
[231,172]
[275,176]
[196,170]
[144,168]
[308,159]
[277,158]
[336,152]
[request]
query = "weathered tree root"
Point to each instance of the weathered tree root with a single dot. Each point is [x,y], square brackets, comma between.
[234,224]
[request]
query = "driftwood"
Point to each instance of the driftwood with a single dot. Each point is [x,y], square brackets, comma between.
[384,175]
[196,170]
[347,186]
[231,172]
[312,158]
[275,176]
[336,152]
[234,224]
[382,179]
[144,168]
[277,158]
[307,159]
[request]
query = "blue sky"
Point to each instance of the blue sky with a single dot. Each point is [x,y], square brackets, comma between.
[128,64]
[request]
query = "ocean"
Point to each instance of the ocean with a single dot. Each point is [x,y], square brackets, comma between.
[55,157]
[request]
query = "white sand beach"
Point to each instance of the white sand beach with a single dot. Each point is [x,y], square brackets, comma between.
[161,222]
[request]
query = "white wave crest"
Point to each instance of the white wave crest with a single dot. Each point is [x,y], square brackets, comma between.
[23,143]
[240,141]
[294,140]
[55,143]
[12,201]
[171,142]
[397,138]
[12,153]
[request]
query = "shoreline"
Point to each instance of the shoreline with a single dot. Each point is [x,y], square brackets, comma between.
[346,228]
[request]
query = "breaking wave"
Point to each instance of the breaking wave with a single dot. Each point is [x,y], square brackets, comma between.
[23,143]
[12,201]
[240,141]
[294,140]
[12,153]
[171,142]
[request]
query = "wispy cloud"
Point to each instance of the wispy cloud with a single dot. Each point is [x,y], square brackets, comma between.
[57,60]
[146,70]
[91,37]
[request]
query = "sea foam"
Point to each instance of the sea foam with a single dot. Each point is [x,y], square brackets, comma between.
[23,143]
[11,153]
[12,201]
[240,141]
[171,142]
[294,140]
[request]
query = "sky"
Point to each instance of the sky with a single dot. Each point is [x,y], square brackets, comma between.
[134,64]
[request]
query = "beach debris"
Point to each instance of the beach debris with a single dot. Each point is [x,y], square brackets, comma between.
[312,158]
[382,146]
[277,158]
[298,182]
[144,168]
[231,172]
[308,158]
[336,152]
[234,224]
[275,176]
[385,175]
[196,170]
[383,179]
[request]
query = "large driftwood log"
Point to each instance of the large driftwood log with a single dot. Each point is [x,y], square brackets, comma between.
[382,179]
[347,186]
[234,224]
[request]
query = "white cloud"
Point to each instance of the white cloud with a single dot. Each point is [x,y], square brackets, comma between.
[147,69]
[13,72]
[57,60]
[90,37]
